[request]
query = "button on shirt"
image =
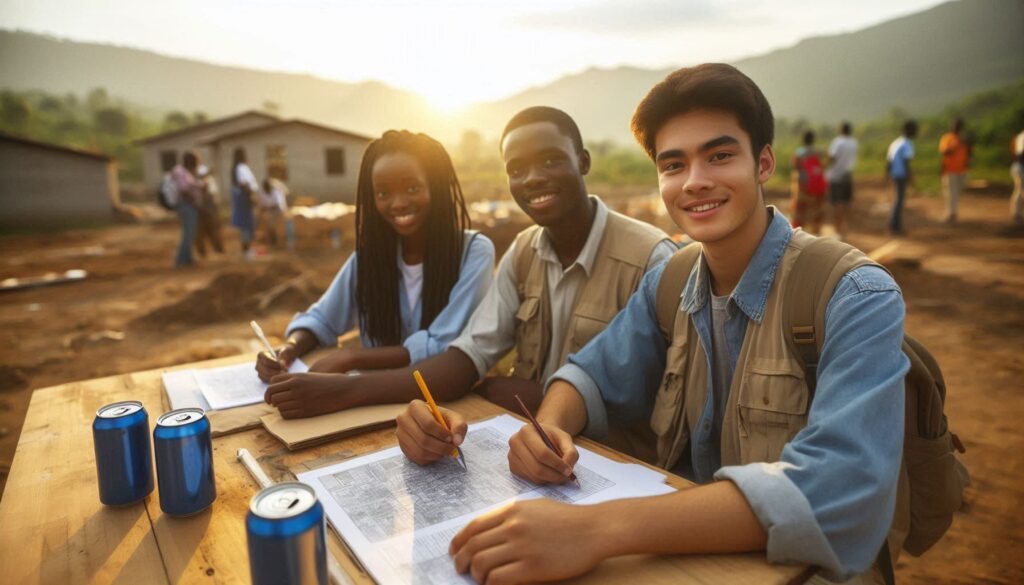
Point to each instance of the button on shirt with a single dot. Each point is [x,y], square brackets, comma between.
[491,331]
[337,311]
[829,500]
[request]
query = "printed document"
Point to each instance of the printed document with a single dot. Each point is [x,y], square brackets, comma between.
[398,517]
[219,388]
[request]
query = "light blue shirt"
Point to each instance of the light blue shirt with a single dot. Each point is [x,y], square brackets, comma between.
[337,311]
[900,152]
[829,501]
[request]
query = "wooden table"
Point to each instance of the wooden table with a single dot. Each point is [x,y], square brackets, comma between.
[53,528]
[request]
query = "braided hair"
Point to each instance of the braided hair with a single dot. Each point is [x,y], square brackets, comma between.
[377,271]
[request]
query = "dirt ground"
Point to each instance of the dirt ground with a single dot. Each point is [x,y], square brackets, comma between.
[964,286]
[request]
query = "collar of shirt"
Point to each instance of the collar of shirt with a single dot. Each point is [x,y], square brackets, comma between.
[751,294]
[588,254]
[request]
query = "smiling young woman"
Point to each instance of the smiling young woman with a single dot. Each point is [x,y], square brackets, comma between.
[409,299]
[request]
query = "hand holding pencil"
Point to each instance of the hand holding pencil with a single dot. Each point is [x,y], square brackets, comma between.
[542,453]
[427,433]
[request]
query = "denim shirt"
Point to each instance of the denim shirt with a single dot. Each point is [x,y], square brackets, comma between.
[829,500]
[337,311]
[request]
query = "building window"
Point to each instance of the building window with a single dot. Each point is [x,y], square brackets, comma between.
[168,158]
[277,162]
[335,161]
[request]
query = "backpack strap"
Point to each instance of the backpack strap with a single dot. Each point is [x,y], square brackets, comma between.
[670,287]
[812,280]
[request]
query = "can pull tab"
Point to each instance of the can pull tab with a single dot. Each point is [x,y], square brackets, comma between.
[182,417]
[287,502]
[120,410]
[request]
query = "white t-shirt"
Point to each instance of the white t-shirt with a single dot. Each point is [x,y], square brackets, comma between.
[412,275]
[843,151]
[244,176]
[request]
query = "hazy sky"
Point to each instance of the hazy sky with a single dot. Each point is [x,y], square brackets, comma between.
[451,51]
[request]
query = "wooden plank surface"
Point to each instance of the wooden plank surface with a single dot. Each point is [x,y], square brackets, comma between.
[53,528]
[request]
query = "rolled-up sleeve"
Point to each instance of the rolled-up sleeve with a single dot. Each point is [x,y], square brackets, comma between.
[475,277]
[335,313]
[491,331]
[617,372]
[830,499]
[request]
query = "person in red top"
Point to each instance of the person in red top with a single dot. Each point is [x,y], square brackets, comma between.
[955,153]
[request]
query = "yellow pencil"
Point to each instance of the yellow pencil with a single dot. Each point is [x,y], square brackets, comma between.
[456,452]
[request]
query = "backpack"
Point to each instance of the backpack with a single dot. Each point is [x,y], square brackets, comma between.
[813,174]
[935,476]
[167,195]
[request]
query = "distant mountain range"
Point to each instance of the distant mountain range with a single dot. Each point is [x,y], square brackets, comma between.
[918,63]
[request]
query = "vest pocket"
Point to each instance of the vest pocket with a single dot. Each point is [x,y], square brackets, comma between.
[667,413]
[528,338]
[772,406]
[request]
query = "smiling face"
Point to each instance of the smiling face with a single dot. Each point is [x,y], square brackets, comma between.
[710,180]
[401,192]
[545,173]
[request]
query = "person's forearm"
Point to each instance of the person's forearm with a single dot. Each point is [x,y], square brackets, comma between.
[380,358]
[303,340]
[449,375]
[712,518]
[563,407]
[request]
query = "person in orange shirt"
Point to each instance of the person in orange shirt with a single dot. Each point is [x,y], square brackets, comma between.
[955,153]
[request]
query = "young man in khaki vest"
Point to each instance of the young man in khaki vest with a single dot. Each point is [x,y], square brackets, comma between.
[806,482]
[558,286]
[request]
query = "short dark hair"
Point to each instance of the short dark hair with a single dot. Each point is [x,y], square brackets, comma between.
[808,137]
[845,128]
[712,86]
[910,128]
[566,125]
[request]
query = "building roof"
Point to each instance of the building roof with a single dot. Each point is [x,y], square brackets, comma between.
[53,147]
[207,125]
[283,123]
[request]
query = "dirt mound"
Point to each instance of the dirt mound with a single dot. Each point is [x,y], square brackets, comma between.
[238,294]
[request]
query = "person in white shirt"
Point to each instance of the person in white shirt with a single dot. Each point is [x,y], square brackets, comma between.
[1017,172]
[273,206]
[243,187]
[842,156]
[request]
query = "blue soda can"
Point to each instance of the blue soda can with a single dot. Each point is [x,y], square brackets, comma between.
[184,462]
[124,466]
[285,530]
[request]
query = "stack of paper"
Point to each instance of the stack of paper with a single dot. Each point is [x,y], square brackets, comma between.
[398,517]
[218,388]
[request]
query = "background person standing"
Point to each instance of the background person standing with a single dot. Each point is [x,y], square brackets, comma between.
[243,186]
[842,155]
[897,168]
[955,154]
[1017,172]
[190,194]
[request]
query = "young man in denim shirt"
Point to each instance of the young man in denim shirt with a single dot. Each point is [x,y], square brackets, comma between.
[824,494]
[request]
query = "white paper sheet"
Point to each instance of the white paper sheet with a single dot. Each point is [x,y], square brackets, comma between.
[182,390]
[235,385]
[399,518]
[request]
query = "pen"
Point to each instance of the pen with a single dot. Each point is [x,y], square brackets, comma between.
[544,436]
[259,333]
[456,452]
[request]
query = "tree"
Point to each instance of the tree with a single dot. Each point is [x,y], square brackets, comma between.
[15,111]
[112,121]
[175,120]
[97,99]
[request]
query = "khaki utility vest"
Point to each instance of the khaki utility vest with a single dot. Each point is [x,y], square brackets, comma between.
[619,265]
[768,400]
